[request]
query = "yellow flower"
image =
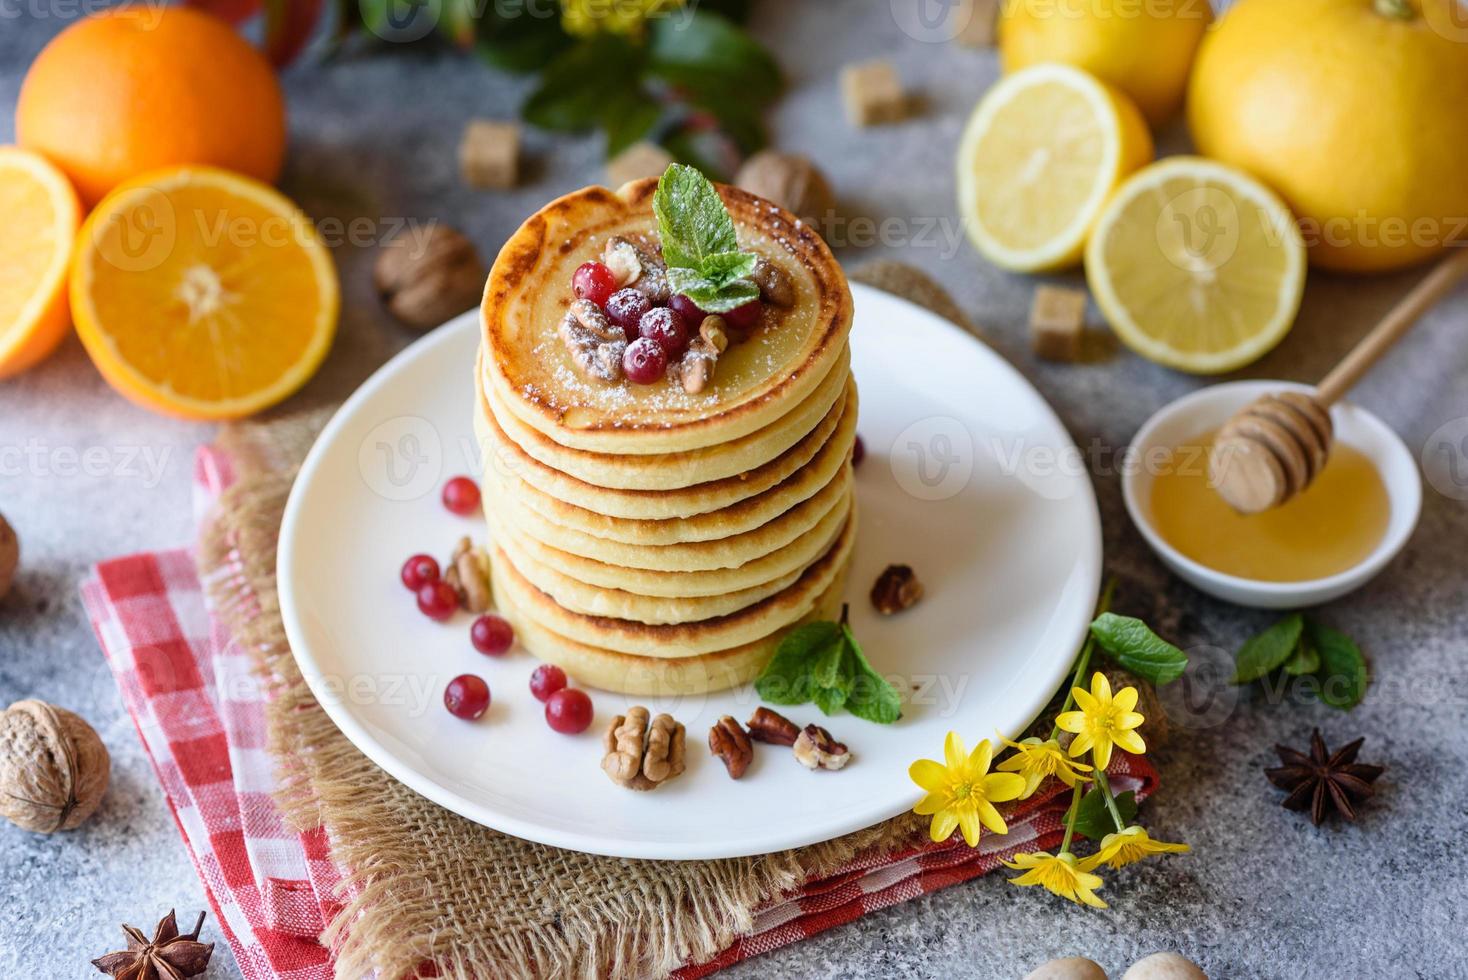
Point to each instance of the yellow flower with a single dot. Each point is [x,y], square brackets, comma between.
[1103,721]
[1060,874]
[1035,760]
[1129,846]
[962,792]
[587,17]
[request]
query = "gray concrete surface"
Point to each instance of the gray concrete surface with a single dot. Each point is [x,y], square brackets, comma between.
[1263,895]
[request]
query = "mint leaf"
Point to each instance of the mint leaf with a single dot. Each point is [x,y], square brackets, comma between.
[823,664]
[725,267]
[1305,660]
[1343,672]
[1138,649]
[1093,820]
[786,679]
[708,295]
[829,667]
[829,699]
[1269,650]
[871,697]
[692,220]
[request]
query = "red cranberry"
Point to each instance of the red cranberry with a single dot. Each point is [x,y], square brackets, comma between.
[466,697]
[744,317]
[419,570]
[437,600]
[644,361]
[547,680]
[858,452]
[665,327]
[625,308]
[461,495]
[686,308]
[491,635]
[568,711]
[595,282]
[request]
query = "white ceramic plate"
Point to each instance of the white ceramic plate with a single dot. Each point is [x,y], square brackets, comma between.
[969,477]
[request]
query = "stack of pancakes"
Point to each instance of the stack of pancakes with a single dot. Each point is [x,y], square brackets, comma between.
[648,540]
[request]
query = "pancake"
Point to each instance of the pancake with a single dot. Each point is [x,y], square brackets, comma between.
[498,451]
[691,556]
[592,666]
[742,516]
[679,585]
[674,470]
[672,640]
[529,371]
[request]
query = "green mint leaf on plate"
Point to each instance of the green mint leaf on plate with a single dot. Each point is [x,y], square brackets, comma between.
[1093,820]
[1138,649]
[1269,650]
[1305,660]
[822,663]
[830,669]
[1343,675]
[871,697]
[700,245]
[786,679]
[828,699]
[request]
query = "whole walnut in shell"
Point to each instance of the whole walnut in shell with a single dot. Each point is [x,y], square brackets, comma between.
[9,556]
[428,275]
[53,767]
[791,181]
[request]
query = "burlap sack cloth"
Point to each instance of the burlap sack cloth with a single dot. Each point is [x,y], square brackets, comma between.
[430,886]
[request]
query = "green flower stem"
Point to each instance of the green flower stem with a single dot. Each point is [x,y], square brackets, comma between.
[1105,787]
[1084,660]
[1070,818]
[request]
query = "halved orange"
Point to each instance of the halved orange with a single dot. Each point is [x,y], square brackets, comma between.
[41,215]
[203,294]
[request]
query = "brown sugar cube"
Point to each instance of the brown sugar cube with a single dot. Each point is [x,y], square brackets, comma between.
[489,154]
[873,93]
[980,20]
[636,162]
[1057,323]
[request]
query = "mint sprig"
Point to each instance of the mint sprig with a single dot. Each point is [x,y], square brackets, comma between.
[822,663]
[1300,647]
[699,242]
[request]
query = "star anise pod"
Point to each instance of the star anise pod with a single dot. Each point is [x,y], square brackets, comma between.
[169,956]
[1324,782]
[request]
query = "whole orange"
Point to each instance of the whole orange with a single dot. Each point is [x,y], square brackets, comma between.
[138,88]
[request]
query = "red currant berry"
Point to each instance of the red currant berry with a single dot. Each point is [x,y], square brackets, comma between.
[625,308]
[418,571]
[437,600]
[491,635]
[547,680]
[686,308]
[466,697]
[595,282]
[665,327]
[461,495]
[568,711]
[744,317]
[858,452]
[644,361]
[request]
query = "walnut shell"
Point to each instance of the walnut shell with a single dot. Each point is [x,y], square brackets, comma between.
[9,556]
[791,181]
[53,767]
[427,275]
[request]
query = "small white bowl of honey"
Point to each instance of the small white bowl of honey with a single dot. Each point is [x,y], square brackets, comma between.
[1329,540]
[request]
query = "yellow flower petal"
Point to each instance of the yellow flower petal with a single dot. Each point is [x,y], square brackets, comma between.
[929,775]
[999,787]
[1129,719]
[930,804]
[1101,753]
[980,758]
[954,753]
[1126,699]
[968,822]
[1084,699]
[1081,743]
[1130,741]
[944,823]
[990,817]
[1071,721]
[1100,687]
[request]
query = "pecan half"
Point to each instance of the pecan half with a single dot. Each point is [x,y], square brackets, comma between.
[772,727]
[729,742]
[643,754]
[896,589]
[774,285]
[697,367]
[816,749]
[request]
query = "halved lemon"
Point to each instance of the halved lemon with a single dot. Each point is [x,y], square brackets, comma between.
[203,294]
[41,215]
[1197,265]
[1041,154]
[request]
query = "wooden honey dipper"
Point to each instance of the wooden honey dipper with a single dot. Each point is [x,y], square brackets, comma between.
[1277,444]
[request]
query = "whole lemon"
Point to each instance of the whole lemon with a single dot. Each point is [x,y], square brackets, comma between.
[139,88]
[1143,47]
[1355,111]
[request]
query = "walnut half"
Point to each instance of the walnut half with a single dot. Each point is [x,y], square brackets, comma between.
[643,755]
[816,749]
[896,589]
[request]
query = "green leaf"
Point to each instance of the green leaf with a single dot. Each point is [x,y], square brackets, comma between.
[692,220]
[1093,819]
[829,666]
[628,119]
[724,267]
[1138,649]
[828,699]
[520,44]
[707,57]
[1343,674]
[1269,650]
[870,697]
[1305,660]
[822,663]
[786,679]
[576,88]
[709,296]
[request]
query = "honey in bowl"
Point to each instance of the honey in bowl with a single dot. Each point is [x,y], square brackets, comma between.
[1330,527]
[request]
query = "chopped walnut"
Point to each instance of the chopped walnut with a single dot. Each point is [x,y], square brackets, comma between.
[816,749]
[592,355]
[642,755]
[697,368]
[621,256]
[468,575]
[896,589]
[774,285]
[729,742]
[772,727]
[594,320]
[651,277]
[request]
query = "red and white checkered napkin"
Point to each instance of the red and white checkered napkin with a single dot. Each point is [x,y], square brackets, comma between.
[199,710]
